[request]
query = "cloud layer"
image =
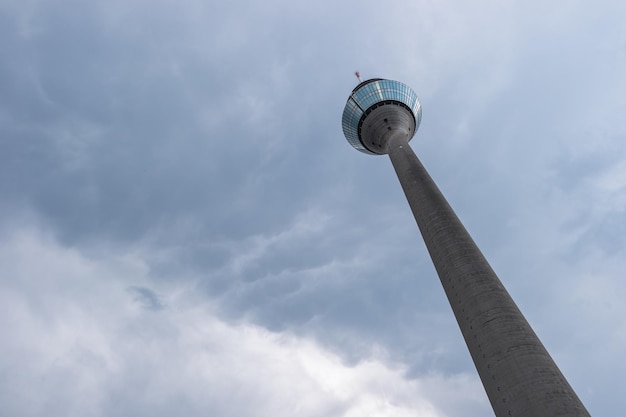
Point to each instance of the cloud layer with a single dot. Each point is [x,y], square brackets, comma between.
[181,216]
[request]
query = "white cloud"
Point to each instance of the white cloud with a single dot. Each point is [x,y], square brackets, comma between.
[76,343]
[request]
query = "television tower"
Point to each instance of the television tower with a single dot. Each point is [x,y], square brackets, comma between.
[518,374]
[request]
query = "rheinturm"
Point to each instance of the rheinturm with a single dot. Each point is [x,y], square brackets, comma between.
[519,376]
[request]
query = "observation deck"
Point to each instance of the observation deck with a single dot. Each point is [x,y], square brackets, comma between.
[371,95]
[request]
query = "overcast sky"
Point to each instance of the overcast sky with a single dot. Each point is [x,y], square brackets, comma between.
[185,231]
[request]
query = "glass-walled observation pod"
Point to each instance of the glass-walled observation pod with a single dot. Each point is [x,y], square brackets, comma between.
[366,96]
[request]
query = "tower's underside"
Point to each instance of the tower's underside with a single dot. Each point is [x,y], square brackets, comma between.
[381,123]
[519,376]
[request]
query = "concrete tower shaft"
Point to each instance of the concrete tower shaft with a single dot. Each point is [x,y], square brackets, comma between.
[519,376]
